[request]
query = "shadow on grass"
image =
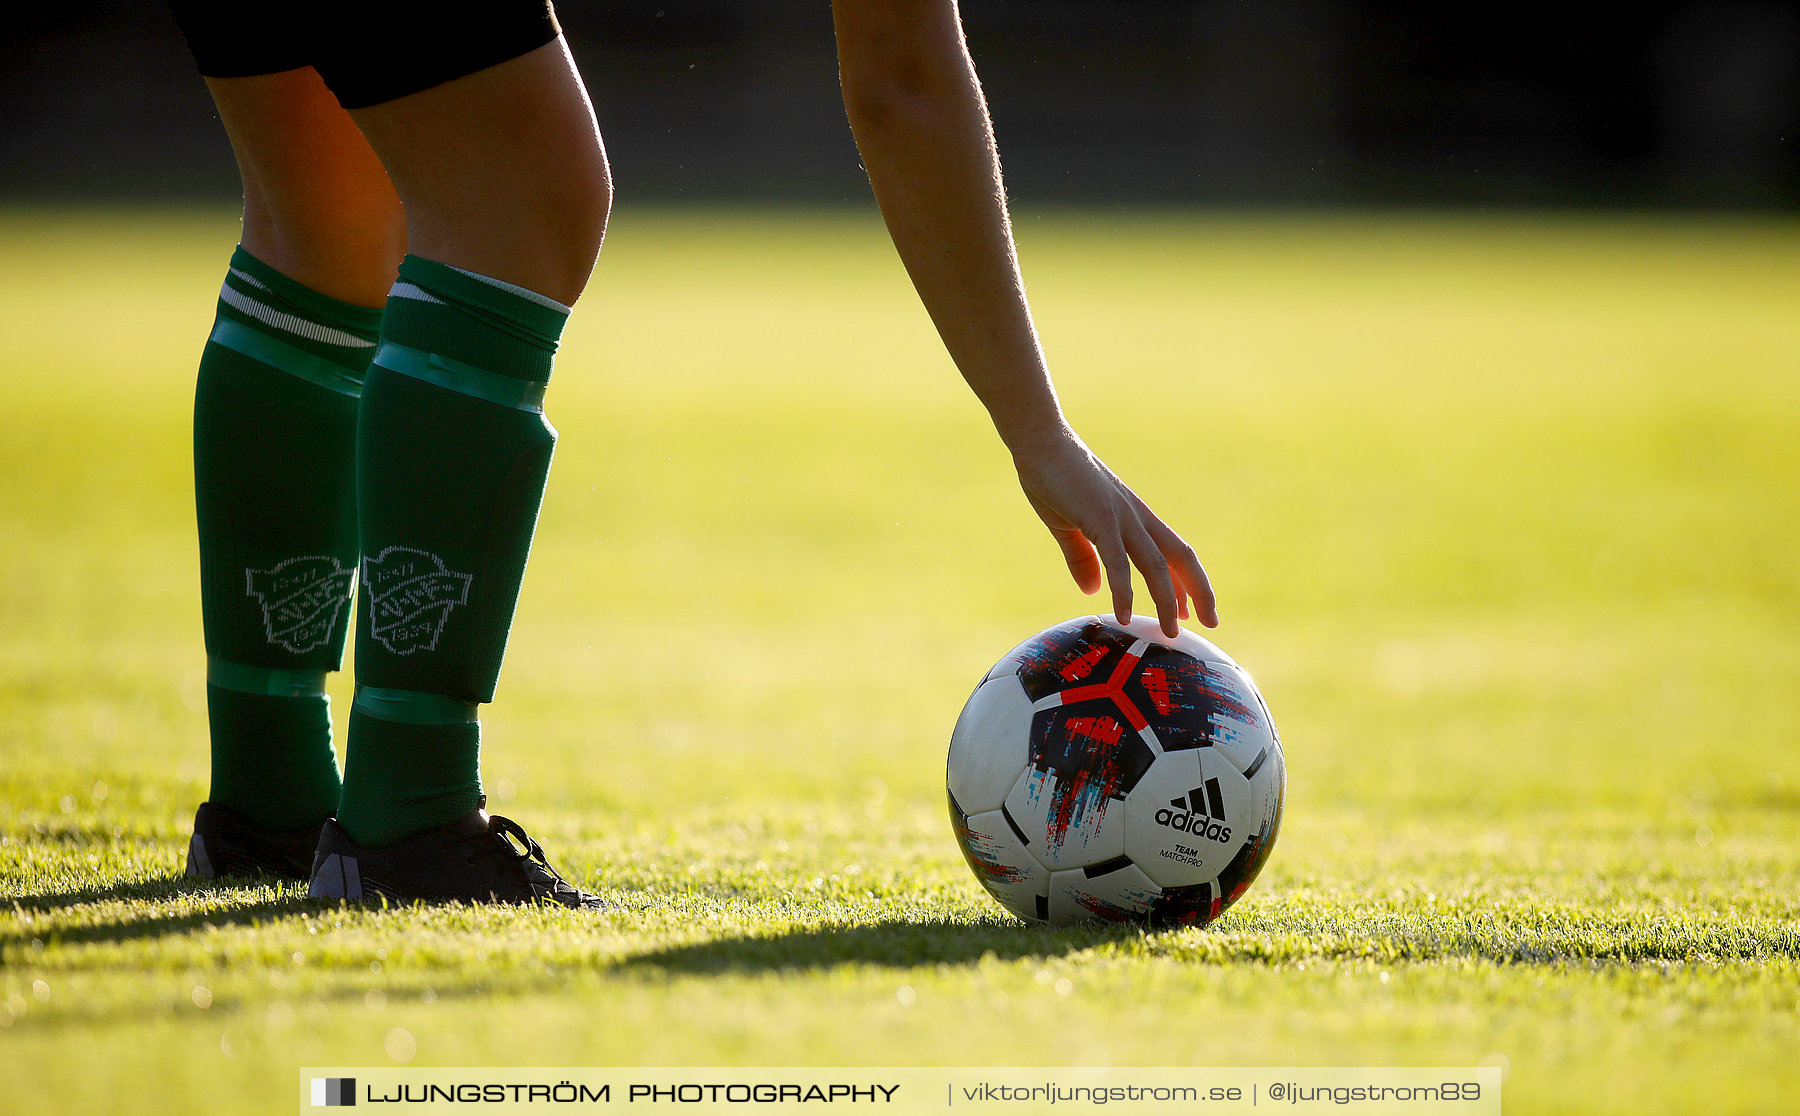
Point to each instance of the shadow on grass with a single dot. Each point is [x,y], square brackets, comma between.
[224,910]
[224,903]
[903,944]
[163,889]
[900,943]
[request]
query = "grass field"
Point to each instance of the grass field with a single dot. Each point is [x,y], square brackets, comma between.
[1504,513]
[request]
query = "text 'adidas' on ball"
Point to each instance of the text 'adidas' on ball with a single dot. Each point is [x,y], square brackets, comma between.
[1106,772]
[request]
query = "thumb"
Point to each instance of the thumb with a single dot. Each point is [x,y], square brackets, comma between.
[1078,552]
[1084,563]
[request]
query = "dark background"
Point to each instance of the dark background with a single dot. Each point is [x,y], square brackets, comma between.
[1119,101]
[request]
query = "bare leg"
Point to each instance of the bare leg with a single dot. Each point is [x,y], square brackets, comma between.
[502,172]
[318,207]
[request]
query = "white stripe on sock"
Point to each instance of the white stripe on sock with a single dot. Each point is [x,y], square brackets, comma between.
[415,292]
[513,288]
[276,319]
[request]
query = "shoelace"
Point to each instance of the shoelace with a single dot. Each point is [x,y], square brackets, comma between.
[503,828]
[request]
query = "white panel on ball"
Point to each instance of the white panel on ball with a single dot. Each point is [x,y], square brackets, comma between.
[1123,894]
[1268,789]
[1067,824]
[989,746]
[1001,863]
[1187,817]
[1148,628]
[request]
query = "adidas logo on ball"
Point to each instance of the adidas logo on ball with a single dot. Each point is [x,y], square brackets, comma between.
[1201,814]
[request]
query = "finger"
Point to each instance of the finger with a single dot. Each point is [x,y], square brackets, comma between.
[1084,564]
[1188,569]
[1157,579]
[1184,592]
[1118,572]
[1078,553]
[1206,605]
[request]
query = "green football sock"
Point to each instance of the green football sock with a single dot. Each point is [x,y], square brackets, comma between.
[274,481]
[452,455]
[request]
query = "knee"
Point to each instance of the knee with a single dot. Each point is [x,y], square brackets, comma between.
[567,222]
[345,244]
[538,222]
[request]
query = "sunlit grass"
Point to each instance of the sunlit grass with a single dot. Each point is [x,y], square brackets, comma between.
[1503,513]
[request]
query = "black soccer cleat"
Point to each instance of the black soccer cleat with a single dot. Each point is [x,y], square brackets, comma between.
[480,858]
[225,843]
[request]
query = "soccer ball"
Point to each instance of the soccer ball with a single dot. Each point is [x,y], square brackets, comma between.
[1104,772]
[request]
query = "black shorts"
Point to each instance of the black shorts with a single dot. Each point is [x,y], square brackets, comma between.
[367,52]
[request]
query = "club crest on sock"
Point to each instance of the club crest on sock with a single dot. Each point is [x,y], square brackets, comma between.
[411,595]
[301,600]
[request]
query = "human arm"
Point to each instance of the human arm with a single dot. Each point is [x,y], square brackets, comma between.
[922,126]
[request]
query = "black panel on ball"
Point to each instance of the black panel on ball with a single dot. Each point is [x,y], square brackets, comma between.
[1063,657]
[1090,745]
[1181,697]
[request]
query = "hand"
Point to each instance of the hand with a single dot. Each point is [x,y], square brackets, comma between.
[1101,525]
